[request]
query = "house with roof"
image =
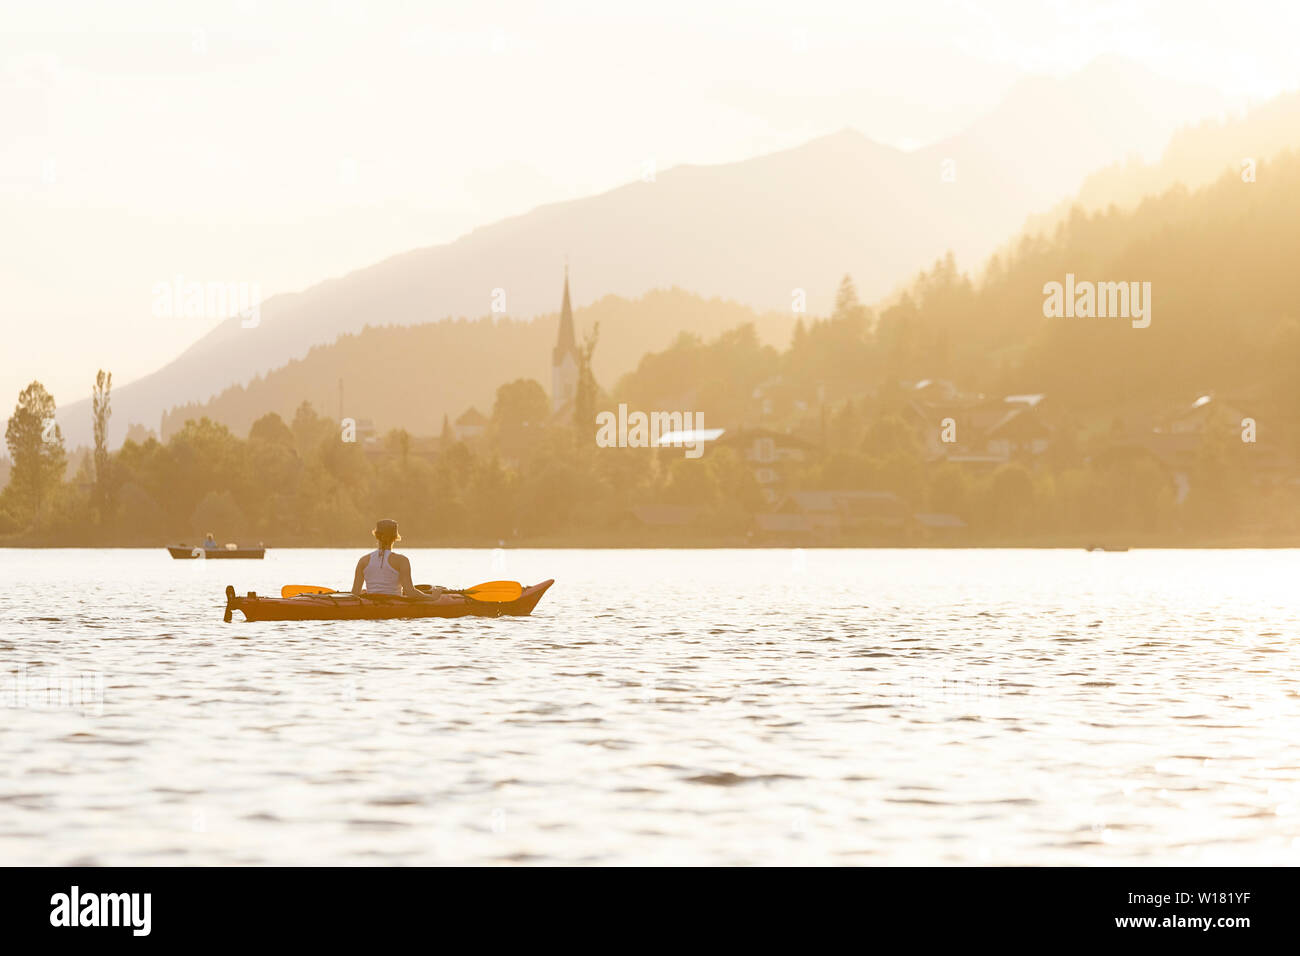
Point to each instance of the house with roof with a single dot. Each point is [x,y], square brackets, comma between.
[774,456]
[985,431]
[471,424]
[1019,433]
[366,433]
[934,390]
[776,398]
[1207,412]
[1177,437]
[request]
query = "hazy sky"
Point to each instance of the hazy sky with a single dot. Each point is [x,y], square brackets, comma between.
[284,143]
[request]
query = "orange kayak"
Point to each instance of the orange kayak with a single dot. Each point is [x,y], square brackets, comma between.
[354,607]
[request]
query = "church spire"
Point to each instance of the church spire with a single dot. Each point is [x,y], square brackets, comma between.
[566,343]
[564,358]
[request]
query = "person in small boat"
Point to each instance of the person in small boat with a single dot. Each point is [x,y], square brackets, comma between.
[210,542]
[383,572]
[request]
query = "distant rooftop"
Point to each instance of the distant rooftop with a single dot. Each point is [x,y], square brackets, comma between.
[689,437]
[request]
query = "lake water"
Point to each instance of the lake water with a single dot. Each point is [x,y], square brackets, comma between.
[711,707]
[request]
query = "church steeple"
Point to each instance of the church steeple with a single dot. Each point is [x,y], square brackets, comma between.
[566,342]
[564,357]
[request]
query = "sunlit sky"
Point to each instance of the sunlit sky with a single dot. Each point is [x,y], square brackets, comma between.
[284,143]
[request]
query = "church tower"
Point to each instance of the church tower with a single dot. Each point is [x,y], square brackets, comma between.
[564,357]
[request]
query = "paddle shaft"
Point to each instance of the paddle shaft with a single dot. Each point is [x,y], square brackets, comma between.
[491,592]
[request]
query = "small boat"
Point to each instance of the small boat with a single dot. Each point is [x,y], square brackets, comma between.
[182,552]
[346,606]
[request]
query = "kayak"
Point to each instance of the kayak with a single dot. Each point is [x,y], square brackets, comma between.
[375,607]
[183,551]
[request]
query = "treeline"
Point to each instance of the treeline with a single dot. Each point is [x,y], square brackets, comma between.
[411,376]
[1225,319]
[300,483]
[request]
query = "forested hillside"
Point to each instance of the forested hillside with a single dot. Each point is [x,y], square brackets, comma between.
[1132,433]
[411,376]
[1224,315]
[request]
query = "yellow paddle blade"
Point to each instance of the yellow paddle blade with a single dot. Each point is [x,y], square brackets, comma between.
[491,592]
[495,592]
[293,590]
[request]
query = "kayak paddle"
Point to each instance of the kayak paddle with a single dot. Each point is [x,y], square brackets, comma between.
[490,592]
[293,590]
[494,592]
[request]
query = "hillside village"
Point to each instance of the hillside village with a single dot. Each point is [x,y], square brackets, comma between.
[785,437]
[953,413]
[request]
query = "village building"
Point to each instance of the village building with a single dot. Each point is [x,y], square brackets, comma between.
[470,424]
[984,431]
[564,359]
[773,456]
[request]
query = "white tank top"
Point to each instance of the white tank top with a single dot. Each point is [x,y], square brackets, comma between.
[381,576]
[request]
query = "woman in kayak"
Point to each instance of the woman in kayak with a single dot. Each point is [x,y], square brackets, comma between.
[383,572]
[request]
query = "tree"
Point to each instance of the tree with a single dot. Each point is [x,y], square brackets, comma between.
[519,418]
[584,400]
[847,470]
[36,447]
[218,513]
[201,457]
[1010,499]
[521,404]
[101,409]
[887,435]
[310,430]
[950,490]
[1218,486]
[139,433]
[691,482]
[271,428]
[848,307]
[398,444]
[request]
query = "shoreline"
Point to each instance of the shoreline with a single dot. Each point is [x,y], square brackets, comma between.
[660,543]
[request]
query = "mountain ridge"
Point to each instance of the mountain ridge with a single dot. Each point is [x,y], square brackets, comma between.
[752,231]
[410,376]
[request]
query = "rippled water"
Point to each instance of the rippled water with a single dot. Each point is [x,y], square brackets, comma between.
[1017,707]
